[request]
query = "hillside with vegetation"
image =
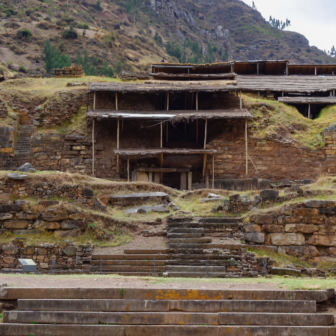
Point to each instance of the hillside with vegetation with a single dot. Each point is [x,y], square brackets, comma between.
[110,36]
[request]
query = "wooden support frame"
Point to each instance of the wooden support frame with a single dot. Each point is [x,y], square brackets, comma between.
[94,100]
[167,94]
[309,111]
[315,71]
[167,131]
[118,136]
[257,69]
[287,71]
[205,140]
[93,148]
[213,171]
[246,147]
[196,101]
[116,101]
[128,172]
[241,100]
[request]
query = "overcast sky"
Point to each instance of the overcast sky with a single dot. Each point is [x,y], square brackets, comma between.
[315,19]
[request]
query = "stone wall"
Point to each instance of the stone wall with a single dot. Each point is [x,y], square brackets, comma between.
[68,257]
[306,230]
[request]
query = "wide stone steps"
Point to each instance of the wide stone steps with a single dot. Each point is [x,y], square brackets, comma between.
[22,144]
[174,230]
[128,262]
[204,246]
[168,318]
[129,305]
[129,257]
[199,262]
[184,235]
[205,226]
[190,241]
[126,268]
[196,269]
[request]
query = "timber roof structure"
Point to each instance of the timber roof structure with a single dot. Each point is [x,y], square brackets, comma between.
[157,151]
[172,116]
[308,100]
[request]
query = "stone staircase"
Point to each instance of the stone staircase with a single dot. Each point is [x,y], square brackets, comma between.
[132,262]
[165,312]
[22,144]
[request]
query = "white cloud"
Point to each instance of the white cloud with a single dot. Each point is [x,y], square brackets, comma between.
[312,18]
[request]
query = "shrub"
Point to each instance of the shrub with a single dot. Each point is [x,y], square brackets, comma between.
[22,68]
[70,34]
[61,23]
[85,26]
[24,33]
[2,70]
[10,11]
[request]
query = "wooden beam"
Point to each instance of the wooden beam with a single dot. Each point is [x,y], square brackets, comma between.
[257,69]
[167,134]
[196,130]
[287,71]
[246,147]
[93,148]
[118,156]
[189,180]
[94,100]
[158,170]
[161,131]
[167,101]
[213,171]
[116,101]
[241,101]
[205,132]
[315,71]
[232,68]
[196,101]
[128,176]
[308,111]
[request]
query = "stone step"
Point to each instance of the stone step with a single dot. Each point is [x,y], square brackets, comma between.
[184,235]
[190,241]
[204,246]
[129,257]
[266,306]
[184,230]
[167,318]
[184,255]
[126,268]
[13,293]
[220,220]
[146,251]
[128,262]
[201,225]
[108,330]
[196,269]
[138,274]
[200,262]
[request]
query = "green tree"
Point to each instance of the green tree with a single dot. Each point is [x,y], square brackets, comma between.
[47,57]
[118,67]
[78,60]
[98,6]
[110,72]
[158,38]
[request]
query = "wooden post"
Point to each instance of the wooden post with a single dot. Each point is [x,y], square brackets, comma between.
[185,100]
[196,101]
[116,101]
[283,94]
[315,71]
[232,68]
[333,93]
[161,134]
[189,180]
[246,147]
[196,130]
[241,101]
[213,171]
[93,148]
[258,69]
[167,130]
[128,176]
[94,100]
[118,157]
[161,145]
[287,72]
[167,101]
[308,111]
[205,140]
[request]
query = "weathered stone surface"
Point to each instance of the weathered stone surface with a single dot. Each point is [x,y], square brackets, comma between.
[235,198]
[8,260]
[138,197]
[300,251]
[272,228]
[327,211]
[6,216]
[269,194]
[68,234]
[25,232]
[264,219]
[70,251]
[306,228]
[306,212]
[54,216]
[319,204]
[252,228]
[10,249]
[254,237]
[40,224]
[285,271]
[88,192]
[290,228]
[48,203]
[283,239]
[320,240]
[27,168]
[18,177]
[77,216]
[27,216]
[145,209]
[69,225]
[16,224]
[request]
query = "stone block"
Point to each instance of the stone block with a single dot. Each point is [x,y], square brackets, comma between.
[16,224]
[6,216]
[322,240]
[54,216]
[269,194]
[40,224]
[319,204]
[290,228]
[285,239]
[70,251]
[10,249]
[252,228]
[68,234]
[285,271]
[306,228]
[272,228]
[310,212]
[27,216]
[264,219]
[254,237]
